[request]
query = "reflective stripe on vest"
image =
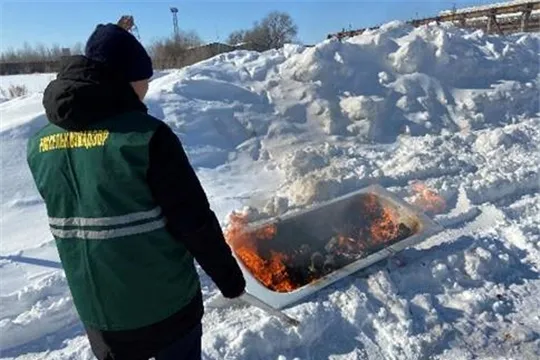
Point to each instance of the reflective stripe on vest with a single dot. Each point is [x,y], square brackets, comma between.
[106,221]
[124,225]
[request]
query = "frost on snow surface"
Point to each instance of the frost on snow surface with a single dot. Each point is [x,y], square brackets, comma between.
[452,110]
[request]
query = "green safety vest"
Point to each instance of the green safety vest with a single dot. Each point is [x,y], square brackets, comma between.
[124,269]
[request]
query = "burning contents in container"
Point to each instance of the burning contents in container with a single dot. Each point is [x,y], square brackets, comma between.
[294,252]
[427,199]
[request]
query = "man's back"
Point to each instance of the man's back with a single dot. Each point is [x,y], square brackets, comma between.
[128,213]
[124,268]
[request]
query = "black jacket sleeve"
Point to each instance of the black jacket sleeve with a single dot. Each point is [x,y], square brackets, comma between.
[177,190]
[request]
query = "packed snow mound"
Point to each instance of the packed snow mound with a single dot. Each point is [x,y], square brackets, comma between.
[374,87]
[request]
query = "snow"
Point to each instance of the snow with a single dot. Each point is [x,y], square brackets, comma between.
[33,83]
[278,131]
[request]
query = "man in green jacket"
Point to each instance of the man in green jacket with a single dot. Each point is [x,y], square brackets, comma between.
[126,208]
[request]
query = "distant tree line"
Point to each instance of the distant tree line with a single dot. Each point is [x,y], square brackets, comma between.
[186,48]
[272,32]
[181,50]
[38,58]
[38,53]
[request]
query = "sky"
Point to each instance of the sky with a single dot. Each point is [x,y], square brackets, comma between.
[68,22]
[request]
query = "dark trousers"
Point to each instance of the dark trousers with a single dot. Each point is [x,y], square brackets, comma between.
[181,330]
[186,348]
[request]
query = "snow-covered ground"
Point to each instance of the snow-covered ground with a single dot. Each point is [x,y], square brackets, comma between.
[33,83]
[278,131]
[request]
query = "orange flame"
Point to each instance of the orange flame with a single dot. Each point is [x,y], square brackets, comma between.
[384,225]
[271,272]
[371,224]
[428,199]
[385,228]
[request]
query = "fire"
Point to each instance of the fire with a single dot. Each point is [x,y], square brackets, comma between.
[272,272]
[293,259]
[386,227]
[428,199]
[383,222]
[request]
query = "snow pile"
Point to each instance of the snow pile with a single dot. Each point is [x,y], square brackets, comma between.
[36,309]
[385,83]
[449,109]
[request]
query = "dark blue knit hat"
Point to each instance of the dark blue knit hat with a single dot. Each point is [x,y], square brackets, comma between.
[121,51]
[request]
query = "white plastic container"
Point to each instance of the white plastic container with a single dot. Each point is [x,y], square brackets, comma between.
[315,224]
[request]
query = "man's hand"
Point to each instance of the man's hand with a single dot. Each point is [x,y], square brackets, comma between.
[235,296]
[126,22]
